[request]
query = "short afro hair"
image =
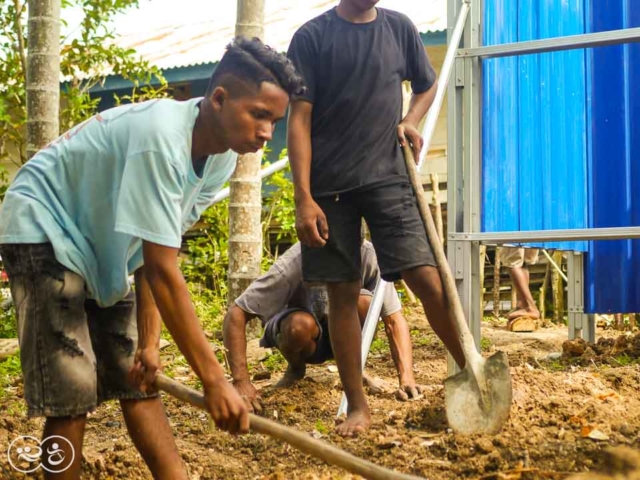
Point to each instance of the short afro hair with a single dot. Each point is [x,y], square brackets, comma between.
[254,62]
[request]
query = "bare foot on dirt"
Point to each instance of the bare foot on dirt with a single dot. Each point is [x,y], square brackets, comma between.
[357,421]
[524,312]
[292,376]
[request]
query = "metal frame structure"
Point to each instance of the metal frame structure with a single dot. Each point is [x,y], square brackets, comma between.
[464,163]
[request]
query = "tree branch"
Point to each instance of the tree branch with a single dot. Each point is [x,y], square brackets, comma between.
[21,46]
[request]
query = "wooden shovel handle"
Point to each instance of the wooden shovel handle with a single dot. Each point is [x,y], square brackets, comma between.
[468,344]
[303,442]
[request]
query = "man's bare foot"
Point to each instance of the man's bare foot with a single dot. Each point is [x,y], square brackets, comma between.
[524,312]
[292,376]
[357,422]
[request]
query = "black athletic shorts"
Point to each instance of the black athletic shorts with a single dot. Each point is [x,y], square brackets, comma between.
[397,233]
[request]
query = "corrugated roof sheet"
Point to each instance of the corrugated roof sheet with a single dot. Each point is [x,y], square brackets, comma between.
[172,34]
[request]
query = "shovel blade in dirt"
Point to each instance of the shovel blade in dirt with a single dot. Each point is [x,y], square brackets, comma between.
[478,399]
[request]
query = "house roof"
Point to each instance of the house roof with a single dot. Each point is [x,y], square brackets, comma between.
[172,34]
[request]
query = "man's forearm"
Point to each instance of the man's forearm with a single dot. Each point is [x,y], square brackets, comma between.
[420,104]
[174,303]
[400,344]
[299,149]
[147,316]
[235,341]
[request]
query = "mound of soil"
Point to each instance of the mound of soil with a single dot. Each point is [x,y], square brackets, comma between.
[621,349]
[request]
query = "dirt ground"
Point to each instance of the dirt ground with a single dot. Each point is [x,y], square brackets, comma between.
[568,412]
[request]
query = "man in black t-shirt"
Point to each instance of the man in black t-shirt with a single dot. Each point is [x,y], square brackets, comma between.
[345,136]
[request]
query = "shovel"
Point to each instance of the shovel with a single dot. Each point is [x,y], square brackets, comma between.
[478,399]
[302,441]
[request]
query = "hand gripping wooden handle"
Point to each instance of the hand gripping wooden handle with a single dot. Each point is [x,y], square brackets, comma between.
[301,441]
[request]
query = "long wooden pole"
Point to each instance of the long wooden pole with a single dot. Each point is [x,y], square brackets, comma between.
[299,440]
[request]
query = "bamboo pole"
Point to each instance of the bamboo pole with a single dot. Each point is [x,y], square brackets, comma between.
[542,303]
[496,284]
[558,290]
[435,192]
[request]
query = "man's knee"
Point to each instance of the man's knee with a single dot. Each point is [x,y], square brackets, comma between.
[425,281]
[299,328]
[364,302]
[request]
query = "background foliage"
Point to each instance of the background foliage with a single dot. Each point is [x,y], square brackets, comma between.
[206,262]
[87,56]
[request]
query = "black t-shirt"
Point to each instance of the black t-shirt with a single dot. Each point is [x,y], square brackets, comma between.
[354,74]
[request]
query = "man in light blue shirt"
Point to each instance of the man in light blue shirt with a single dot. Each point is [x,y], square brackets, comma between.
[111,197]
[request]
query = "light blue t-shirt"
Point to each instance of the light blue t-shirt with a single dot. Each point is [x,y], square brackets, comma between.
[123,176]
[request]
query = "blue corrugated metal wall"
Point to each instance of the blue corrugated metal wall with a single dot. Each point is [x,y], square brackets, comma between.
[560,116]
[614,106]
[534,119]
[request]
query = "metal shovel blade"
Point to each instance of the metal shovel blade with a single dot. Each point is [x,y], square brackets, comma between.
[479,403]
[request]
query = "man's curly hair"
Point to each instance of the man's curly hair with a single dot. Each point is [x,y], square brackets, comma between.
[254,62]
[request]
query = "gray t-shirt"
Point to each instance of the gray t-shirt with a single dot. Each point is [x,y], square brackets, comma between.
[282,287]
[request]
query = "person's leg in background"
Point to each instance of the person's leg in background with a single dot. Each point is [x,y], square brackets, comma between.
[515,260]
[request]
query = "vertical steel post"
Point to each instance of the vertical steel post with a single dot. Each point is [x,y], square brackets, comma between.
[580,324]
[454,158]
[471,290]
[464,176]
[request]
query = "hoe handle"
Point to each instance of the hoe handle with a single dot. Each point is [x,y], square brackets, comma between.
[301,441]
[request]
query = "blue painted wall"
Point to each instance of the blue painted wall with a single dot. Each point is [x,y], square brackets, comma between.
[534,122]
[613,74]
[561,147]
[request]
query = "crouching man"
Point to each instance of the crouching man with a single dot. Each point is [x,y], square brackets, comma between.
[295,320]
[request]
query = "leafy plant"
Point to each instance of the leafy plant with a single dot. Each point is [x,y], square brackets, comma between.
[379,345]
[88,55]
[9,370]
[279,209]
[8,323]
[321,427]
[208,252]
[207,262]
[4,181]
[274,362]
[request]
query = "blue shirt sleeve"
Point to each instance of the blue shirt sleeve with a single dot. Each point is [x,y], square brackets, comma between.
[148,205]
